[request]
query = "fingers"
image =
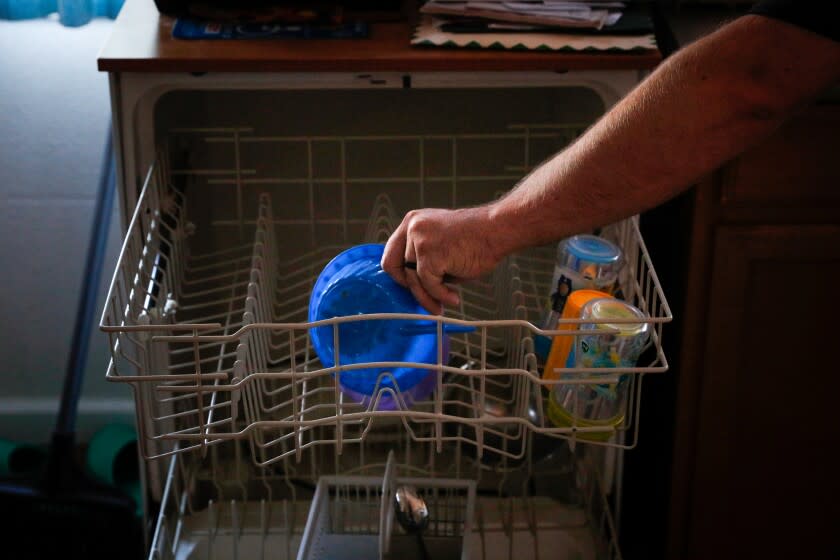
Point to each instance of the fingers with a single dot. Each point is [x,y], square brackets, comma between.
[428,281]
[434,285]
[393,258]
[414,284]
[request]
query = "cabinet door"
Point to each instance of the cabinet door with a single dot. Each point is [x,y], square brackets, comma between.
[764,483]
[801,154]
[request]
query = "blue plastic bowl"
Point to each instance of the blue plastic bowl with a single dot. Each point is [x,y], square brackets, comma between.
[386,401]
[353,283]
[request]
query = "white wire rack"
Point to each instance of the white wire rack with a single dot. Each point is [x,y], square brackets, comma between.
[223,506]
[216,345]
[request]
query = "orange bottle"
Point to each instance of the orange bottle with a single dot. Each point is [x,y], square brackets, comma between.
[562,344]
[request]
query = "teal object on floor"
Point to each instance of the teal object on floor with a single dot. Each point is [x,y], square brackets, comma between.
[20,458]
[112,458]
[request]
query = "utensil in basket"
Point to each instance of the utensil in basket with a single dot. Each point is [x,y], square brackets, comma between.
[352,517]
[412,514]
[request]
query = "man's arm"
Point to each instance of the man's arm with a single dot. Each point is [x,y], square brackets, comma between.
[700,108]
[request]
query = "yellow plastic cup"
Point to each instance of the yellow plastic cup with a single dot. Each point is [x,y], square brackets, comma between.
[561,418]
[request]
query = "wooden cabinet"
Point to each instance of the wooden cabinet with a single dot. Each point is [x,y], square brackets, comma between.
[758,399]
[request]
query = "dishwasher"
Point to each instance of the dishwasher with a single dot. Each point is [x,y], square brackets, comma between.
[247,187]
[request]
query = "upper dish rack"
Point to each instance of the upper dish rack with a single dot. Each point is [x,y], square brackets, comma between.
[216,346]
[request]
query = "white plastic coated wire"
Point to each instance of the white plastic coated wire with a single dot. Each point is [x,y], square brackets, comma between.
[217,347]
[223,506]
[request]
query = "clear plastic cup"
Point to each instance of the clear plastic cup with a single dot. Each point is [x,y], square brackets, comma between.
[584,262]
[601,404]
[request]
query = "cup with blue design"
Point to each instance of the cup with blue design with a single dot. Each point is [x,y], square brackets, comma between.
[584,262]
[615,338]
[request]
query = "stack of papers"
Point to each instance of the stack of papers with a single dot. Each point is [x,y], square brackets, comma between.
[528,15]
[547,25]
[433,33]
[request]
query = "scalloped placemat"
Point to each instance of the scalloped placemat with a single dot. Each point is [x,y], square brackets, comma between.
[428,33]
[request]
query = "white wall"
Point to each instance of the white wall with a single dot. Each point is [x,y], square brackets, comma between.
[54,112]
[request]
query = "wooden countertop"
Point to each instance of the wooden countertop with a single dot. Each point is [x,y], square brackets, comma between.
[142,42]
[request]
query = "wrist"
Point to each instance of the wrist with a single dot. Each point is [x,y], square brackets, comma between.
[508,228]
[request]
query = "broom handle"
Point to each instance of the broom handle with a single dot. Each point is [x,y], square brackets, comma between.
[65,426]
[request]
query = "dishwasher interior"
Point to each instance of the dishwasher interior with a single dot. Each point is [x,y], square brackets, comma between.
[251,194]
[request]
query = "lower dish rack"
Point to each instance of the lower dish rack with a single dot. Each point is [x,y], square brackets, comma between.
[223,506]
[208,326]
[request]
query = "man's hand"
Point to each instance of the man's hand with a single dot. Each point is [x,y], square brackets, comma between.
[461,243]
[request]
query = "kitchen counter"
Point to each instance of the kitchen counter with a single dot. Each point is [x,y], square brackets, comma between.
[142,42]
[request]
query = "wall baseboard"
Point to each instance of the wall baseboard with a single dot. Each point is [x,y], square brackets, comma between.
[32,419]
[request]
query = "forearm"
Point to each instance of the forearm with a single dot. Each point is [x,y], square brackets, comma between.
[700,108]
